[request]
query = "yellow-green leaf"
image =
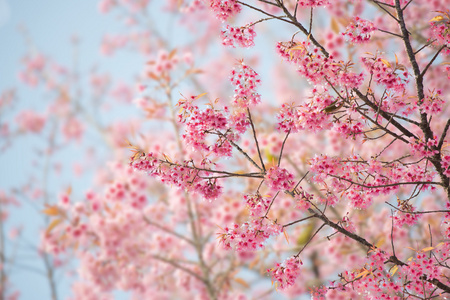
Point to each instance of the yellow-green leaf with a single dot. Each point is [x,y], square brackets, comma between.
[334,25]
[394,269]
[388,64]
[380,242]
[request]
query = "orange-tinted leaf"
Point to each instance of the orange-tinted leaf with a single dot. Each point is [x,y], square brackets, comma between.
[199,96]
[286,236]
[253,263]
[388,64]
[108,210]
[194,71]
[172,53]
[427,249]
[153,76]
[363,273]
[437,19]
[297,47]
[380,242]
[167,158]
[440,244]
[394,270]
[242,282]
[51,210]
[52,225]
[334,25]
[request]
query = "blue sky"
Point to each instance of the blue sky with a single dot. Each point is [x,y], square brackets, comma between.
[50,25]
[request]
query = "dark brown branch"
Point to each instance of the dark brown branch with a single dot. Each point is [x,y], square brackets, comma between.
[444,134]
[384,114]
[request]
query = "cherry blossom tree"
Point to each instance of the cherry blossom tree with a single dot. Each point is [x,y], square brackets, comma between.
[391,112]
[329,176]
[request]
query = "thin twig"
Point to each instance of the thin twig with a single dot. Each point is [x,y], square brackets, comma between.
[392,233]
[417,212]
[282,147]
[432,60]
[310,239]
[391,33]
[444,134]
[256,139]
[298,221]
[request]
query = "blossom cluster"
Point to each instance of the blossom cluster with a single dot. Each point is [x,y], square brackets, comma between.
[446,164]
[285,274]
[431,104]
[279,179]
[309,61]
[257,204]
[406,216]
[313,3]
[423,149]
[310,116]
[440,29]
[317,67]
[340,174]
[163,64]
[392,77]
[241,36]
[245,80]
[303,199]
[349,128]
[31,121]
[359,30]
[248,236]
[418,271]
[185,175]
[224,9]
[201,124]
